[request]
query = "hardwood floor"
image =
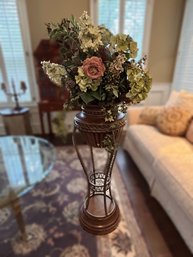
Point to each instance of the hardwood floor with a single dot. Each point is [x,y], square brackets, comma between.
[160,234]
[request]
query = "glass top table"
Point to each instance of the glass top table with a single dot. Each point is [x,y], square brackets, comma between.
[24,162]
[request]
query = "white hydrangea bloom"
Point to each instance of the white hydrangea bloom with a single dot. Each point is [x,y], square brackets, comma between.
[89,35]
[54,71]
[85,19]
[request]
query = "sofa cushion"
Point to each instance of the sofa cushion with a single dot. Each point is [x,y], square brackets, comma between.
[174,169]
[173,120]
[189,133]
[149,115]
[172,161]
[181,98]
[149,140]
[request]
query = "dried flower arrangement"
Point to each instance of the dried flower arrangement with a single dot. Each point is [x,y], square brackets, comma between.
[97,67]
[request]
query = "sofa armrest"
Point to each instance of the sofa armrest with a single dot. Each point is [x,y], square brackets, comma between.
[133,114]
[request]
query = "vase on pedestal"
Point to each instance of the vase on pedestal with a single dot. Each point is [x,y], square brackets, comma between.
[102,70]
[99,213]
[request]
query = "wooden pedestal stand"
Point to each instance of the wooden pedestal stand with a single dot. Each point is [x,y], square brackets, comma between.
[99,213]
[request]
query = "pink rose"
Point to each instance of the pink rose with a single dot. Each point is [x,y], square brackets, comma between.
[93,67]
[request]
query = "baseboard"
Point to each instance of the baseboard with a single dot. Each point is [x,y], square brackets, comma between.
[158,94]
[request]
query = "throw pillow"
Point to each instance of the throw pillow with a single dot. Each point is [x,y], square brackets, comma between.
[189,133]
[181,98]
[174,120]
[172,98]
[149,115]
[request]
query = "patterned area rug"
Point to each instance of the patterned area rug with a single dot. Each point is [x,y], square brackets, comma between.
[51,215]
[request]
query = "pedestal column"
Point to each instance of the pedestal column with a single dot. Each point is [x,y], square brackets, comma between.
[99,213]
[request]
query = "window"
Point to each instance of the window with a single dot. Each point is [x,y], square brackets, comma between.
[14,52]
[183,75]
[131,17]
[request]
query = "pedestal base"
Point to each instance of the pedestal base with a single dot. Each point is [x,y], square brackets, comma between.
[93,218]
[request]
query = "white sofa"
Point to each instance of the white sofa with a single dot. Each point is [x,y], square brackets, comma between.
[166,162]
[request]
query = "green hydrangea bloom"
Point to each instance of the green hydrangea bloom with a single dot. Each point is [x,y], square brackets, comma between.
[54,71]
[120,43]
[86,83]
[124,43]
[140,83]
[105,34]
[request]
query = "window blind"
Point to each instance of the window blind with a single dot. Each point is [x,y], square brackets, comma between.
[134,20]
[183,74]
[124,16]
[12,48]
[2,95]
[108,14]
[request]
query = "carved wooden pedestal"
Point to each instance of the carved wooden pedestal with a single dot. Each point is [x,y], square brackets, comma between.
[99,213]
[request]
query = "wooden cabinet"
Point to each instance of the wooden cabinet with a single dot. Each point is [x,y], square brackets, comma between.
[52,98]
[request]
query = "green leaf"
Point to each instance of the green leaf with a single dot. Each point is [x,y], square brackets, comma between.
[127,55]
[115,92]
[96,95]
[103,96]
[86,98]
